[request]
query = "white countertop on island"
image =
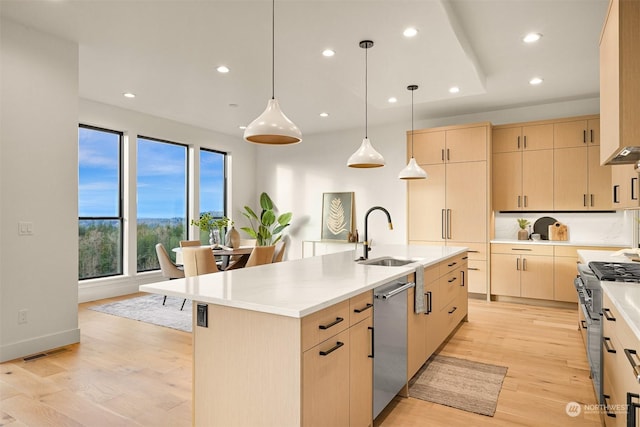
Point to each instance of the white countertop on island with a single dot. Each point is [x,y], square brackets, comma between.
[300,287]
[559,243]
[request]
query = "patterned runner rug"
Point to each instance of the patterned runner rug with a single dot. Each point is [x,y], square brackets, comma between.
[462,384]
[149,308]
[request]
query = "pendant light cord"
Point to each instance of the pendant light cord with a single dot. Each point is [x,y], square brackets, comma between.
[366,93]
[412,124]
[273,49]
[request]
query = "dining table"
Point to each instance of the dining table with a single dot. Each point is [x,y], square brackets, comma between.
[224,252]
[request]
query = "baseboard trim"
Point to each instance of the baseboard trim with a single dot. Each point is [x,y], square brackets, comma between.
[39,344]
[93,290]
[533,301]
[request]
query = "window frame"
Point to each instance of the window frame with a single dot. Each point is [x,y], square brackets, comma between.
[120,216]
[225,165]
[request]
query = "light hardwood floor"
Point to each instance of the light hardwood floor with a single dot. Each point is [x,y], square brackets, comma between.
[129,373]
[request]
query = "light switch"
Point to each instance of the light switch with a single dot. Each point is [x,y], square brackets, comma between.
[25,228]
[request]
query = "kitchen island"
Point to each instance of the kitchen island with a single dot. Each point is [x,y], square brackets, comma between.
[262,322]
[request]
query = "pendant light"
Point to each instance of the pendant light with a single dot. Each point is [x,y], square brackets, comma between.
[366,156]
[412,170]
[272,126]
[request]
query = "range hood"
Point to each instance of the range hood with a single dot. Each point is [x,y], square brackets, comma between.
[626,156]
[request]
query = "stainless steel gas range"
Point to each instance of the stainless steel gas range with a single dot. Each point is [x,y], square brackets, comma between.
[590,301]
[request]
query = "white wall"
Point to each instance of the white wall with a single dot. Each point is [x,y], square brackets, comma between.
[241,180]
[38,184]
[296,176]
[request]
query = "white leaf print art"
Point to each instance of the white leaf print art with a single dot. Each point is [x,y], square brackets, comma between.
[336,222]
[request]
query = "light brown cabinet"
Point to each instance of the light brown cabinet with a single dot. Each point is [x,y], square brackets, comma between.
[619,83]
[523,180]
[620,360]
[337,373]
[449,144]
[446,305]
[522,271]
[576,133]
[452,206]
[580,183]
[624,184]
[511,138]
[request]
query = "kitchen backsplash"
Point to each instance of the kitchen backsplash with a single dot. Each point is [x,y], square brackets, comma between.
[588,227]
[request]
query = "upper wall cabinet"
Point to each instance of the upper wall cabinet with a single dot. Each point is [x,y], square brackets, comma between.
[520,138]
[619,82]
[576,133]
[449,144]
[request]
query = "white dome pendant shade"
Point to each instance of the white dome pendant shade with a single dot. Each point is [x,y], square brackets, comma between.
[366,156]
[412,170]
[272,126]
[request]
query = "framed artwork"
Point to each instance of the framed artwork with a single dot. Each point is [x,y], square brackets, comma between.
[337,216]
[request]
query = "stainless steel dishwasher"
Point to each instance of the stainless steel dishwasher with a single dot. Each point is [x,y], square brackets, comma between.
[390,342]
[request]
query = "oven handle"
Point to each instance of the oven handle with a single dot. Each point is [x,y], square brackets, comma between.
[587,317]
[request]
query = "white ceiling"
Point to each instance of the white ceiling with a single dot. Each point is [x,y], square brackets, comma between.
[167,51]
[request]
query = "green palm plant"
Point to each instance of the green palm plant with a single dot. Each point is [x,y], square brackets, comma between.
[523,222]
[266,228]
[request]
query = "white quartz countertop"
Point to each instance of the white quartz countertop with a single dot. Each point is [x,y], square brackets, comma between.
[625,296]
[300,287]
[558,243]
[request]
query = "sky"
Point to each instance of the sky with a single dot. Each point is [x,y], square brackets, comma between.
[161,177]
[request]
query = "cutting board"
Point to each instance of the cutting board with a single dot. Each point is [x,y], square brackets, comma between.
[558,231]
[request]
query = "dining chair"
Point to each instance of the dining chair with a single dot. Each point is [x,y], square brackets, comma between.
[240,261]
[198,261]
[278,254]
[189,243]
[261,255]
[168,269]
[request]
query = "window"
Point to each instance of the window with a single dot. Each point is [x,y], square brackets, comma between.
[99,202]
[212,185]
[162,199]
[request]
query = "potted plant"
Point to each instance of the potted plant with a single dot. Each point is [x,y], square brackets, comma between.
[522,233]
[267,227]
[215,227]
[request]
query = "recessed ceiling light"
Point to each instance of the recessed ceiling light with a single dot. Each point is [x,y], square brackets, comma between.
[454,89]
[129,95]
[324,114]
[328,52]
[531,37]
[535,81]
[242,127]
[410,32]
[392,100]
[223,69]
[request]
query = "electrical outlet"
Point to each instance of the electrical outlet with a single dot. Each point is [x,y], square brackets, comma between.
[203,315]
[22,316]
[25,228]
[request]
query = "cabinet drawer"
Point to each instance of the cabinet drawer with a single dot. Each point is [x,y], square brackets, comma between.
[477,251]
[477,272]
[360,307]
[323,324]
[431,273]
[524,249]
[452,264]
[450,285]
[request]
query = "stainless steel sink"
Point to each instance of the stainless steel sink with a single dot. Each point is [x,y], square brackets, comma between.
[387,262]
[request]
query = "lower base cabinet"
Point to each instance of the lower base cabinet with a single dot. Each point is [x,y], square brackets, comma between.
[446,305]
[620,359]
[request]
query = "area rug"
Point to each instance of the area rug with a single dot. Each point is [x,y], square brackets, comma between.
[149,308]
[462,384]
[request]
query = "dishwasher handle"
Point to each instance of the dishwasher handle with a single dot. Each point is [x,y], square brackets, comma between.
[403,287]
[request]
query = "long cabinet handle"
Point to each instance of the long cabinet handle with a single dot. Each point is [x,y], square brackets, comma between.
[473,269]
[607,315]
[444,220]
[373,335]
[606,397]
[591,196]
[519,202]
[524,264]
[429,304]
[518,142]
[332,324]
[521,249]
[606,342]
[584,200]
[636,368]
[442,154]
[448,157]
[332,349]
[473,252]
[583,323]
[448,223]
[584,136]
[616,194]
[525,142]
[631,408]
[366,307]
[633,189]
[526,201]
[463,278]
[591,133]
[518,264]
